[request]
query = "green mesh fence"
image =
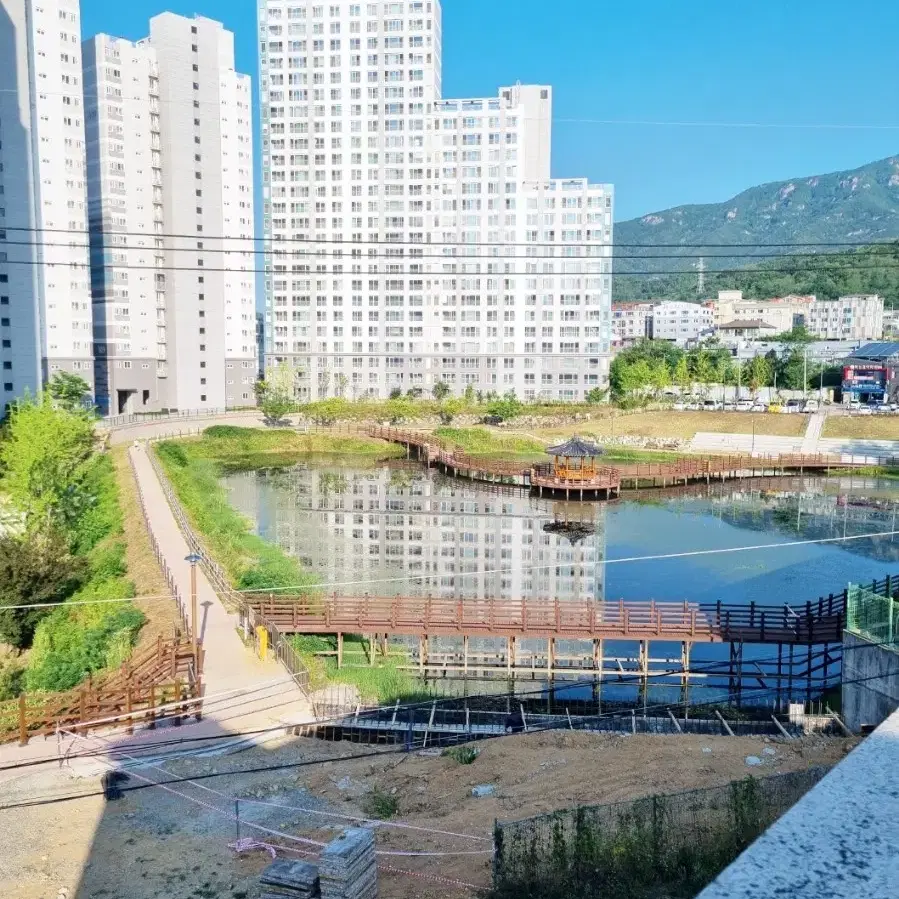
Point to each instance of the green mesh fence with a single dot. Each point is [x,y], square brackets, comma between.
[660,847]
[873,616]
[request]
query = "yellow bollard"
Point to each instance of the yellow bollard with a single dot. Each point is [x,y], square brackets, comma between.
[262,641]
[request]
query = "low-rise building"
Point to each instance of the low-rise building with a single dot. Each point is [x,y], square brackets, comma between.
[680,322]
[780,313]
[749,329]
[890,322]
[872,373]
[857,317]
[631,322]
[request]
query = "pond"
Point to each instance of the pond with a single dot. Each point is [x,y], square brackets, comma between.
[398,528]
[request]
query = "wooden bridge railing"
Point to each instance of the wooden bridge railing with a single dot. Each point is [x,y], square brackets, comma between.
[812,622]
[607,476]
[486,617]
[167,673]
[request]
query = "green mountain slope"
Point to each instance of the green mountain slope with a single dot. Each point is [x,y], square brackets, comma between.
[860,205]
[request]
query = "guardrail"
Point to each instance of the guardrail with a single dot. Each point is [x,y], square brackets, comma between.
[221,584]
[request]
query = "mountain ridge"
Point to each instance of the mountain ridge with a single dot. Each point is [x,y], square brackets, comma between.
[858,206]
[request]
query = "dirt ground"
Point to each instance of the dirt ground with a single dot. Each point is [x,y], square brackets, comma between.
[862,427]
[686,424]
[154,843]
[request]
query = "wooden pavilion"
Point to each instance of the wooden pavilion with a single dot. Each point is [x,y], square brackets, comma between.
[575,459]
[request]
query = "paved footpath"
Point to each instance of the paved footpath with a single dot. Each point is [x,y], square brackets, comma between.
[257,695]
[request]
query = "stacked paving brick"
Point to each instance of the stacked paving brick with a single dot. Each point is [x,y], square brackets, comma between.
[347,866]
[285,879]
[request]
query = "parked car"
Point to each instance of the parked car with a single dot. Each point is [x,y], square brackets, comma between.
[759,407]
[811,406]
[793,406]
[747,406]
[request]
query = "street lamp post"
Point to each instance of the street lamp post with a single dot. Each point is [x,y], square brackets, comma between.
[193,558]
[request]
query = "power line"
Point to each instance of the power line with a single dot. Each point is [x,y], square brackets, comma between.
[862,251]
[249,271]
[438,738]
[894,242]
[627,678]
[313,588]
[816,126]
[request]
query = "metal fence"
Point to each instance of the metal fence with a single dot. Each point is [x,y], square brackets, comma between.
[661,845]
[280,645]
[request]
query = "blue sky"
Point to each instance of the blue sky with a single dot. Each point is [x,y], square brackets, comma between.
[778,62]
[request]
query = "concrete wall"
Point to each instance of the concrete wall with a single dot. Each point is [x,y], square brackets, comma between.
[876,697]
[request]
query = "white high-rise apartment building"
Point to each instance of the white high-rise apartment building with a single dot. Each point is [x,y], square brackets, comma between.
[45,296]
[412,240]
[171,186]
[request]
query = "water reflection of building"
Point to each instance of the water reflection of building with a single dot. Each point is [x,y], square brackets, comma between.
[369,531]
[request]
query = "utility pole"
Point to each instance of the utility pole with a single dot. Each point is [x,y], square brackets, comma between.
[805,372]
[701,276]
[193,558]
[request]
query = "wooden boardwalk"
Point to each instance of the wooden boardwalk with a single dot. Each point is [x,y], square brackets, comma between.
[608,480]
[554,619]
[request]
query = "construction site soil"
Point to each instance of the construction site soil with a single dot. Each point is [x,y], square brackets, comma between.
[174,841]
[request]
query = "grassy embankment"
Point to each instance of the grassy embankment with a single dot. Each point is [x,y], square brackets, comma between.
[382,683]
[70,641]
[194,468]
[195,465]
[862,427]
[495,444]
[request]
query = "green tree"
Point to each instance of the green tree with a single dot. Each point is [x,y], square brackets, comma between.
[596,395]
[398,409]
[506,407]
[440,391]
[681,374]
[326,412]
[69,391]
[340,384]
[798,336]
[659,376]
[273,402]
[450,408]
[469,395]
[703,368]
[791,374]
[47,457]
[758,373]
[35,570]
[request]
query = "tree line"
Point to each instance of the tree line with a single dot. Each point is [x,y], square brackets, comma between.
[652,366]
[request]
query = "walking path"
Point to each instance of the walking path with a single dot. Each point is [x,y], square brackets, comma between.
[813,432]
[242,692]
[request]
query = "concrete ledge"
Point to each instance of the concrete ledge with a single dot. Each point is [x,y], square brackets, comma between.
[838,842]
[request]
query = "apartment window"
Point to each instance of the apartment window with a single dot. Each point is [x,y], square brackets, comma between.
[196,69]
[202,397]
[196,86]
[7,385]
[193,47]
[193,29]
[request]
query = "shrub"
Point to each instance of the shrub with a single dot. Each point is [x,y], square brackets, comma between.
[33,572]
[380,805]
[464,755]
[75,641]
[220,432]
[12,679]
